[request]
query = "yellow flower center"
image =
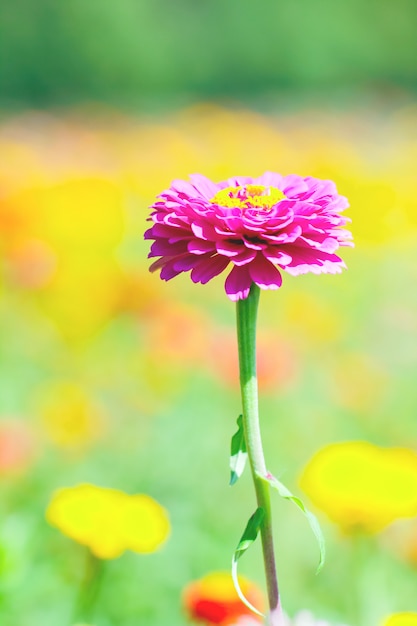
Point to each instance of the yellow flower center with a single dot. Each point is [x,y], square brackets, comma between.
[248,197]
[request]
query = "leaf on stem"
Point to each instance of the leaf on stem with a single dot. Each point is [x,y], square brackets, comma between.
[238,453]
[311,518]
[249,536]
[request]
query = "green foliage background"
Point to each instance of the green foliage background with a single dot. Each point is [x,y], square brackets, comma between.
[60,52]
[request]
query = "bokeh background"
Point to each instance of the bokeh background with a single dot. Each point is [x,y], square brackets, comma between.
[109,376]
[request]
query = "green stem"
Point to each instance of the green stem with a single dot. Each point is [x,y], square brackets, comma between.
[246,333]
[89,589]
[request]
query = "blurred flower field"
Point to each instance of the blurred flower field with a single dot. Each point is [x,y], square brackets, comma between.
[109,378]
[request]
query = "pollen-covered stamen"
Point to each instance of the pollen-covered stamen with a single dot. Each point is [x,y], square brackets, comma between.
[248,197]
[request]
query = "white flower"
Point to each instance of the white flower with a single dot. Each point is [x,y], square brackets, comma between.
[305,618]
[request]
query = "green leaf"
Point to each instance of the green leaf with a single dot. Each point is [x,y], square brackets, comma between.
[311,518]
[238,454]
[249,536]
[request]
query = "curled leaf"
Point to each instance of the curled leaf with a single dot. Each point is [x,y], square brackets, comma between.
[285,493]
[249,536]
[238,454]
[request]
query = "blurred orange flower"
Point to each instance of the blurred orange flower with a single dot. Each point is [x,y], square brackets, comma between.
[109,521]
[362,486]
[276,360]
[31,264]
[401,539]
[213,600]
[177,333]
[17,448]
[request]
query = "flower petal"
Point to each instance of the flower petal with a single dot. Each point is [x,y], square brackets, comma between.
[229,248]
[200,246]
[238,283]
[208,268]
[204,185]
[162,247]
[246,256]
[264,274]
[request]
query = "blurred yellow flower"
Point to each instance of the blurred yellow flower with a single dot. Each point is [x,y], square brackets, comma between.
[109,521]
[401,619]
[70,417]
[62,241]
[323,324]
[81,214]
[362,486]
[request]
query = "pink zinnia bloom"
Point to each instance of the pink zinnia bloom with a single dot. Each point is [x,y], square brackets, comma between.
[258,225]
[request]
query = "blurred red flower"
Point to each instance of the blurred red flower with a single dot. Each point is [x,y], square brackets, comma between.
[213,600]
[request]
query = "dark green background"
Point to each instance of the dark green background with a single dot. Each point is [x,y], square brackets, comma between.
[61,52]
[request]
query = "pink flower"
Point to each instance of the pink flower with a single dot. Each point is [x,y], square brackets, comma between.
[259,225]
